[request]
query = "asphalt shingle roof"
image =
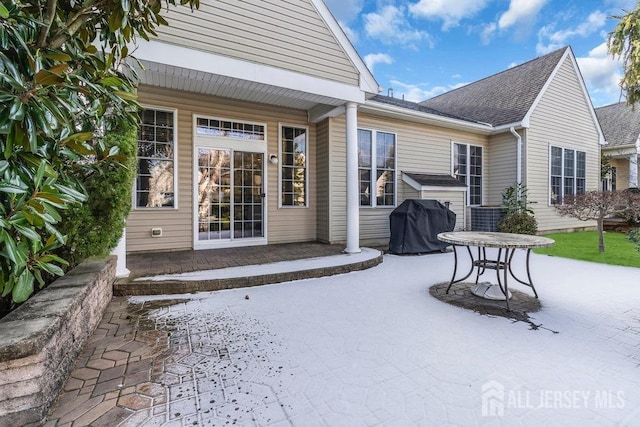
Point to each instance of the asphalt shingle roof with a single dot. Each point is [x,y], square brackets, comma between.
[502,98]
[409,105]
[620,124]
[436,180]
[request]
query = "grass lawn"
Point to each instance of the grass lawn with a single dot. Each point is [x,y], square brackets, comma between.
[583,245]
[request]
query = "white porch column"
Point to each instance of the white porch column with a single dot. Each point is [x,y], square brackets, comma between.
[353,191]
[633,170]
[121,252]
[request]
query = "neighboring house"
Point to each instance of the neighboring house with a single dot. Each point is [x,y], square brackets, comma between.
[621,127]
[263,125]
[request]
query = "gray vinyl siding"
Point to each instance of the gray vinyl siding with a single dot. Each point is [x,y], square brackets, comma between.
[622,172]
[338,180]
[562,118]
[283,224]
[419,148]
[323,182]
[287,34]
[501,171]
[405,191]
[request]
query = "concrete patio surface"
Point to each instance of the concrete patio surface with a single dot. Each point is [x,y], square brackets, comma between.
[374,347]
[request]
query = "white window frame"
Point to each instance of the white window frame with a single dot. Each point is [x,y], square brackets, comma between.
[468,174]
[575,177]
[134,201]
[220,142]
[306,166]
[374,168]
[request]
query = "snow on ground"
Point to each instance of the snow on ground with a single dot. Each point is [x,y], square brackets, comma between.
[375,348]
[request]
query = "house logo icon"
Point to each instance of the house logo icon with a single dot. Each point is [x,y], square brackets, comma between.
[492,399]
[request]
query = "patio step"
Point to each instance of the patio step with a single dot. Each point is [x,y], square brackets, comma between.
[247,276]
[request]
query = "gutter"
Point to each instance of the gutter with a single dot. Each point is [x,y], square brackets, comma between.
[518,155]
[379,107]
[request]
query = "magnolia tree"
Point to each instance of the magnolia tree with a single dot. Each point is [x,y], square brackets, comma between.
[598,205]
[63,80]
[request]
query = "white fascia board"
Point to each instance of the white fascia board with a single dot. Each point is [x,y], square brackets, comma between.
[379,107]
[444,189]
[368,82]
[568,53]
[419,187]
[507,127]
[179,56]
[412,182]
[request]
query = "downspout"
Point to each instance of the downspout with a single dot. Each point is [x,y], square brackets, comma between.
[518,155]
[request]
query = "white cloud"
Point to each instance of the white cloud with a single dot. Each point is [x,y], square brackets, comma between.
[550,40]
[345,10]
[352,34]
[450,12]
[602,74]
[520,11]
[377,58]
[487,32]
[420,92]
[390,25]
[626,5]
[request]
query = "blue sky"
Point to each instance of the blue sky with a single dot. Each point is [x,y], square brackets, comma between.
[422,48]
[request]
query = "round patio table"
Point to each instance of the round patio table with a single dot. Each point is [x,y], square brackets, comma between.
[506,243]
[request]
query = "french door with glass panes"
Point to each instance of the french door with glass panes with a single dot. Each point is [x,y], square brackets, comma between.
[230,197]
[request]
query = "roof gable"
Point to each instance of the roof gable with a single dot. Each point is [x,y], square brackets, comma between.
[620,124]
[299,36]
[503,98]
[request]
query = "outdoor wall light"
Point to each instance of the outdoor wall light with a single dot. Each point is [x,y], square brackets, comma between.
[273,159]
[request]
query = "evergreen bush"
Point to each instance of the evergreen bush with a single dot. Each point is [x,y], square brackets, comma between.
[95,227]
[518,222]
[634,237]
[519,217]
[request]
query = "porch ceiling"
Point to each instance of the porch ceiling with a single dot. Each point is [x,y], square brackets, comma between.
[185,79]
[619,151]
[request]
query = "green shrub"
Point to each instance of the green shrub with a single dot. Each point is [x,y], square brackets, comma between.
[634,236]
[519,217]
[629,210]
[64,77]
[95,227]
[518,222]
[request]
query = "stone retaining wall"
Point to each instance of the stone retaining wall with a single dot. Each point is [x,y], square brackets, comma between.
[41,340]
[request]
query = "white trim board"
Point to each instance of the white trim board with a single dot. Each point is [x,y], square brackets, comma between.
[179,56]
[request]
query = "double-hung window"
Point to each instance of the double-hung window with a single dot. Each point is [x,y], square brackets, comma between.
[377,168]
[155,179]
[567,173]
[293,169]
[467,168]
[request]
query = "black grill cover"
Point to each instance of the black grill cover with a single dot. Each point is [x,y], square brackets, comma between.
[415,225]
